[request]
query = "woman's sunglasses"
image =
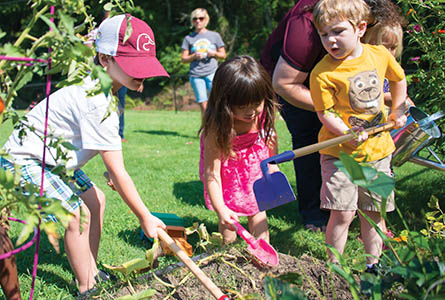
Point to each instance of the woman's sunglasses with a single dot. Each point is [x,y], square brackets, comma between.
[200,19]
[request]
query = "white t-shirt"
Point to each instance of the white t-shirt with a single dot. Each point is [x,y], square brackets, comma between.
[75,117]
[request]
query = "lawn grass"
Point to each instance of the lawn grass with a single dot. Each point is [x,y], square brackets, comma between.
[162,157]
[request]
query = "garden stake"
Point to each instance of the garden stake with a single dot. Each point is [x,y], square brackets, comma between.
[274,189]
[259,248]
[202,277]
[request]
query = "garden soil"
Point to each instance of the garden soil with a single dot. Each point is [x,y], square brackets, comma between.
[237,274]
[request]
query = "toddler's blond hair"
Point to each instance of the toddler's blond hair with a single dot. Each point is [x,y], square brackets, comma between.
[328,11]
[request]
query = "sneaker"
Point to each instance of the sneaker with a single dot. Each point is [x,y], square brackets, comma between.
[87,294]
[104,276]
[375,269]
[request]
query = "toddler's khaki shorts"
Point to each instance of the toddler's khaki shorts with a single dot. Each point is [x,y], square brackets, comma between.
[339,193]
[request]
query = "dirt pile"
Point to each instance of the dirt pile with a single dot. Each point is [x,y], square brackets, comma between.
[236,274]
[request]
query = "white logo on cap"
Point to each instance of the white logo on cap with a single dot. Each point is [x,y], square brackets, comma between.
[145,45]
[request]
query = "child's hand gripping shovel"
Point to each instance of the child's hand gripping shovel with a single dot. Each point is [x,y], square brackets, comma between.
[202,277]
[259,248]
[274,189]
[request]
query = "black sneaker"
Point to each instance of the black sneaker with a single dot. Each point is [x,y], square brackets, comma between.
[375,269]
[104,276]
[87,294]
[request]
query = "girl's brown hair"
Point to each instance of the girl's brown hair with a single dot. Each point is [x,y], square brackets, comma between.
[239,81]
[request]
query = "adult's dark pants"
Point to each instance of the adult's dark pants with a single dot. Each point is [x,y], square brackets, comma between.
[304,126]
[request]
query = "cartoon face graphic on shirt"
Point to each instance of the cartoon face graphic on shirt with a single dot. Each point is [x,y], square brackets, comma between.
[365,92]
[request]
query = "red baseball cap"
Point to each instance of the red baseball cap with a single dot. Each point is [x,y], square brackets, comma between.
[137,55]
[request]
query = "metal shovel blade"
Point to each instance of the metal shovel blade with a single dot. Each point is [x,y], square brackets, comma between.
[272,191]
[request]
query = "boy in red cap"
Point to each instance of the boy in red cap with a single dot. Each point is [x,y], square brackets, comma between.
[80,120]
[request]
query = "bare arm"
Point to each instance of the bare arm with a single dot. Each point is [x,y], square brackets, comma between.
[335,124]
[124,185]
[398,96]
[186,57]
[288,83]
[212,180]
[388,100]
[273,149]
[218,54]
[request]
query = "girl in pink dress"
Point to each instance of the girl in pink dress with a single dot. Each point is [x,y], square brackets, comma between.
[236,135]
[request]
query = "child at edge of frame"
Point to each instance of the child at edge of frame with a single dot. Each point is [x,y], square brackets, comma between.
[79,119]
[347,90]
[236,135]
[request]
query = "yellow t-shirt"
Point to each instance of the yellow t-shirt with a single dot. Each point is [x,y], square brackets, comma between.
[354,90]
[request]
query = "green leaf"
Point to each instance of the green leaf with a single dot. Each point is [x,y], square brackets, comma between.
[419,240]
[27,77]
[130,266]
[407,296]
[192,229]
[2,176]
[31,221]
[431,215]
[434,202]
[109,6]
[56,68]
[369,172]
[104,80]
[152,254]
[10,50]
[49,23]
[383,185]
[277,289]
[112,107]
[69,146]
[402,271]
[406,254]
[216,239]
[129,29]
[147,294]
[371,285]
[353,169]
[68,22]
[292,277]
[366,176]
[9,180]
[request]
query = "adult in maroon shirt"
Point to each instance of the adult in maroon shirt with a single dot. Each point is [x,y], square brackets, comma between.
[291,52]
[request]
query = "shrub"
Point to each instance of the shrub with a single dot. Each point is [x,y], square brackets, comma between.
[424,56]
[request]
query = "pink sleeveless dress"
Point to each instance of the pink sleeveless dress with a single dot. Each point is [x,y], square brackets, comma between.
[239,173]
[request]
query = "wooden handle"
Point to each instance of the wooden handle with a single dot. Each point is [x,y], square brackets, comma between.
[339,140]
[202,277]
